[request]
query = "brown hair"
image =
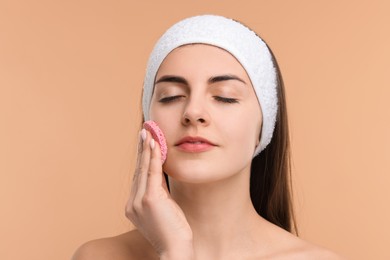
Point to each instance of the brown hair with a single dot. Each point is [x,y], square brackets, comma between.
[270,179]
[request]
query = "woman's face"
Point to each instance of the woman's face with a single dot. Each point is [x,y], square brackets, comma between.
[203,91]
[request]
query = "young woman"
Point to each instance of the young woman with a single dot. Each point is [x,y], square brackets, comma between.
[215,90]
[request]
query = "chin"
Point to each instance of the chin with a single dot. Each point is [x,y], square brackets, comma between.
[191,172]
[197,173]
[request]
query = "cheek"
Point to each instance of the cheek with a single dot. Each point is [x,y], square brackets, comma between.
[244,121]
[243,128]
[243,136]
[168,125]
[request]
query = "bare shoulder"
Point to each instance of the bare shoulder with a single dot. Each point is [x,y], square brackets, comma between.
[311,251]
[289,246]
[302,249]
[130,246]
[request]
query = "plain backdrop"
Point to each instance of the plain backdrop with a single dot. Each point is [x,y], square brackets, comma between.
[71,75]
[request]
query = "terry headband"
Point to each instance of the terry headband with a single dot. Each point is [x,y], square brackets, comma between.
[237,39]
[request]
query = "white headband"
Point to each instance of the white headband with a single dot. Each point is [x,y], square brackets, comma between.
[237,39]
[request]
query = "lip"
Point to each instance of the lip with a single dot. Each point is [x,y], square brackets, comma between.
[194,144]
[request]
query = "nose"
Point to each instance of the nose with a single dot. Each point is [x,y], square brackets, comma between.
[195,113]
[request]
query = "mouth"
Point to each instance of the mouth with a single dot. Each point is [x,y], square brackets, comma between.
[194,144]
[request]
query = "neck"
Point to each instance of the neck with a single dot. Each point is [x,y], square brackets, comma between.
[221,214]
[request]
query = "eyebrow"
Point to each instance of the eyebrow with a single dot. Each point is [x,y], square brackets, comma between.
[211,80]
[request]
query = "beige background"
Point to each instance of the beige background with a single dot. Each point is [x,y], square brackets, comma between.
[71,74]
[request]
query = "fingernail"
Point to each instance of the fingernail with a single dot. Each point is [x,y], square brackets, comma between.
[152,144]
[143,134]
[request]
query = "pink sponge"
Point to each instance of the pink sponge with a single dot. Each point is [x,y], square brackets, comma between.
[158,136]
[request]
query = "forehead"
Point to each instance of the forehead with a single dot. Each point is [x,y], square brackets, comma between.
[196,59]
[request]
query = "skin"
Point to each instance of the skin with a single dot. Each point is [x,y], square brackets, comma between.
[208,214]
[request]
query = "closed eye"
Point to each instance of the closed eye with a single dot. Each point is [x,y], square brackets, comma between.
[226,100]
[169,99]
[218,98]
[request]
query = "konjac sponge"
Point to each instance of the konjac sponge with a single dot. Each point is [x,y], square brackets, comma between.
[158,136]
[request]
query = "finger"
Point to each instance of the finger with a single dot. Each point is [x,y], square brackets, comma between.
[155,174]
[137,166]
[144,166]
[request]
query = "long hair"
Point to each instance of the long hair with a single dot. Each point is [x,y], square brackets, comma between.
[270,178]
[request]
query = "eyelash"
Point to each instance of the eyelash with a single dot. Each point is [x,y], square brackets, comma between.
[226,100]
[221,99]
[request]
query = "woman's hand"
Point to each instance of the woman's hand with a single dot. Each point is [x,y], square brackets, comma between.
[151,208]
